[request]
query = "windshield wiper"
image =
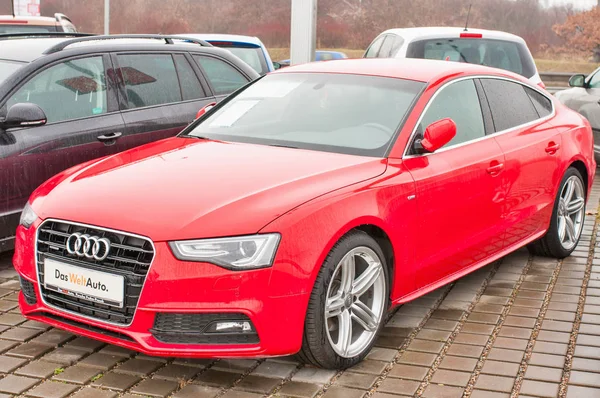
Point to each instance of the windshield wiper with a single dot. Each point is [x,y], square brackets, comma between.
[283,146]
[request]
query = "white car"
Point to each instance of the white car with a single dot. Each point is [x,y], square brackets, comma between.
[477,46]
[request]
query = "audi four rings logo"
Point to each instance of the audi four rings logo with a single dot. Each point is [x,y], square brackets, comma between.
[84,245]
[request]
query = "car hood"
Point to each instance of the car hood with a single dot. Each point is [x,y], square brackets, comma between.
[185,188]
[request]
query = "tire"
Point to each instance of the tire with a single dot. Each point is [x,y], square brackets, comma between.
[551,244]
[322,345]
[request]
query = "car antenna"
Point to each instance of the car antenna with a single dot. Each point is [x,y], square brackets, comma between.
[12,6]
[468,14]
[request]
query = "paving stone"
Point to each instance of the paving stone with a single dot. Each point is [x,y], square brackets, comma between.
[196,391]
[557,326]
[90,392]
[198,362]
[6,305]
[586,328]
[53,337]
[241,394]
[116,381]
[85,344]
[298,389]
[218,378]
[451,378]
[524,311]
[463,350]
[519,321]
[257,384]
[539,388]
[11,319]
[391,385]
[389,341]
[140,367]
[510,343]
[488,394]
[474,339]
[480,317]
[343,392]
[368,366]
[560,316]
[16,384]
[116,350]
[417,358]
[77,374]
[440,324]
[29,350]
[550,348]
[235,365]
[500,368]
[586,379]
[458,363]
[543,374]
[410,372]
[555,337]
[530,294]
[40,369]
[52,389]
[494,299]
[562,306]
[435,391]
[100,361]
[314,375]
[20,334]
[426,346]
[447,314]
[510,331]
[489,308]
[495,383]
[179,372]
[555,361]
[581,392]
[8,364]
[64,356]
[434,335]
[590,365]
[358,380]
[36,325]
[155,388]
[380,354]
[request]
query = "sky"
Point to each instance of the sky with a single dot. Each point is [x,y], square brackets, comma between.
[580,4]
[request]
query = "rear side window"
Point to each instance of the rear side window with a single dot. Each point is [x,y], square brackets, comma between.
[190,86]
[150,79]
[509,103]
[542,104]
[224,78]
[374,47]
[459,102]
[507,55]
[386,47]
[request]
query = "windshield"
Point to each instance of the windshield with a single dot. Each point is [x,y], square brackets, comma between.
[26,28]
[500,54]
[7,68]
[253,56]
[342,113]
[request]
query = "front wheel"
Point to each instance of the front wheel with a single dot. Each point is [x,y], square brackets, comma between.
[567,219]
[347,305]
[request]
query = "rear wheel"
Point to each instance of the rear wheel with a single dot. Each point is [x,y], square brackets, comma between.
[567,219]
[347,305]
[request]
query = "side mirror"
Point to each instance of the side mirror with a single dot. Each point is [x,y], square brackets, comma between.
[205,109]
[23,115]
[276,65]
[438,134]
[577,80]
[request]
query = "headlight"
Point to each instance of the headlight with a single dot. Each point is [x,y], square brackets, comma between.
[28,216]
[242,252]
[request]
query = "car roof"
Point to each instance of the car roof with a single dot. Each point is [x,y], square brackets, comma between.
[223,37]
[431,32]
[8,19]
[423,70]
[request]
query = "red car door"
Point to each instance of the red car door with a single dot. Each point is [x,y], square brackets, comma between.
[531,147]
[458,189]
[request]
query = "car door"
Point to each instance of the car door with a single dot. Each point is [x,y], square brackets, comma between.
[587,102]
[81,110]
[223,77]
[531,147]
[160,94]
[458,189]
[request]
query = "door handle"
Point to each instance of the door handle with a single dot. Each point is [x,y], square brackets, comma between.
[495,168]
[109,137]
[552,148]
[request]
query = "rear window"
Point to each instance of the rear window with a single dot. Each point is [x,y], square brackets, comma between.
[18,28]
[7,68]
[253,56]
[500,54]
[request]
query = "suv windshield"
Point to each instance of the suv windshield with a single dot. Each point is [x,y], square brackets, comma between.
[351,114]
[507,55]
[7,68]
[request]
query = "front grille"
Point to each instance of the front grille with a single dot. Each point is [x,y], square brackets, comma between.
[188,328]
[129,256]
[85,326]
[28,290]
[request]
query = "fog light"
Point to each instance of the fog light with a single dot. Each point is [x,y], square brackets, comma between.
[230,327]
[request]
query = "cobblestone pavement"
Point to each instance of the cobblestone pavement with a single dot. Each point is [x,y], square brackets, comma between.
[523,326]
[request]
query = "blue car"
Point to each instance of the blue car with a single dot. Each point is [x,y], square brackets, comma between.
[249,49]
[319,56]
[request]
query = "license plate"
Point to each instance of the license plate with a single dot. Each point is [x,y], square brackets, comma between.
[83,283]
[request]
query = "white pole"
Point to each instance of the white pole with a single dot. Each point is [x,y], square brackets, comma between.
[303,38]
[106,16]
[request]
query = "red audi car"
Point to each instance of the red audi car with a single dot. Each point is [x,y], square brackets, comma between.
[291,217]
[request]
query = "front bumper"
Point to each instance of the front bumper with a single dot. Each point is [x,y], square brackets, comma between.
[174,286]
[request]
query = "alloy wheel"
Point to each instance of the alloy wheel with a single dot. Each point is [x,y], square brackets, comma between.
[571,208]
[356,298]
